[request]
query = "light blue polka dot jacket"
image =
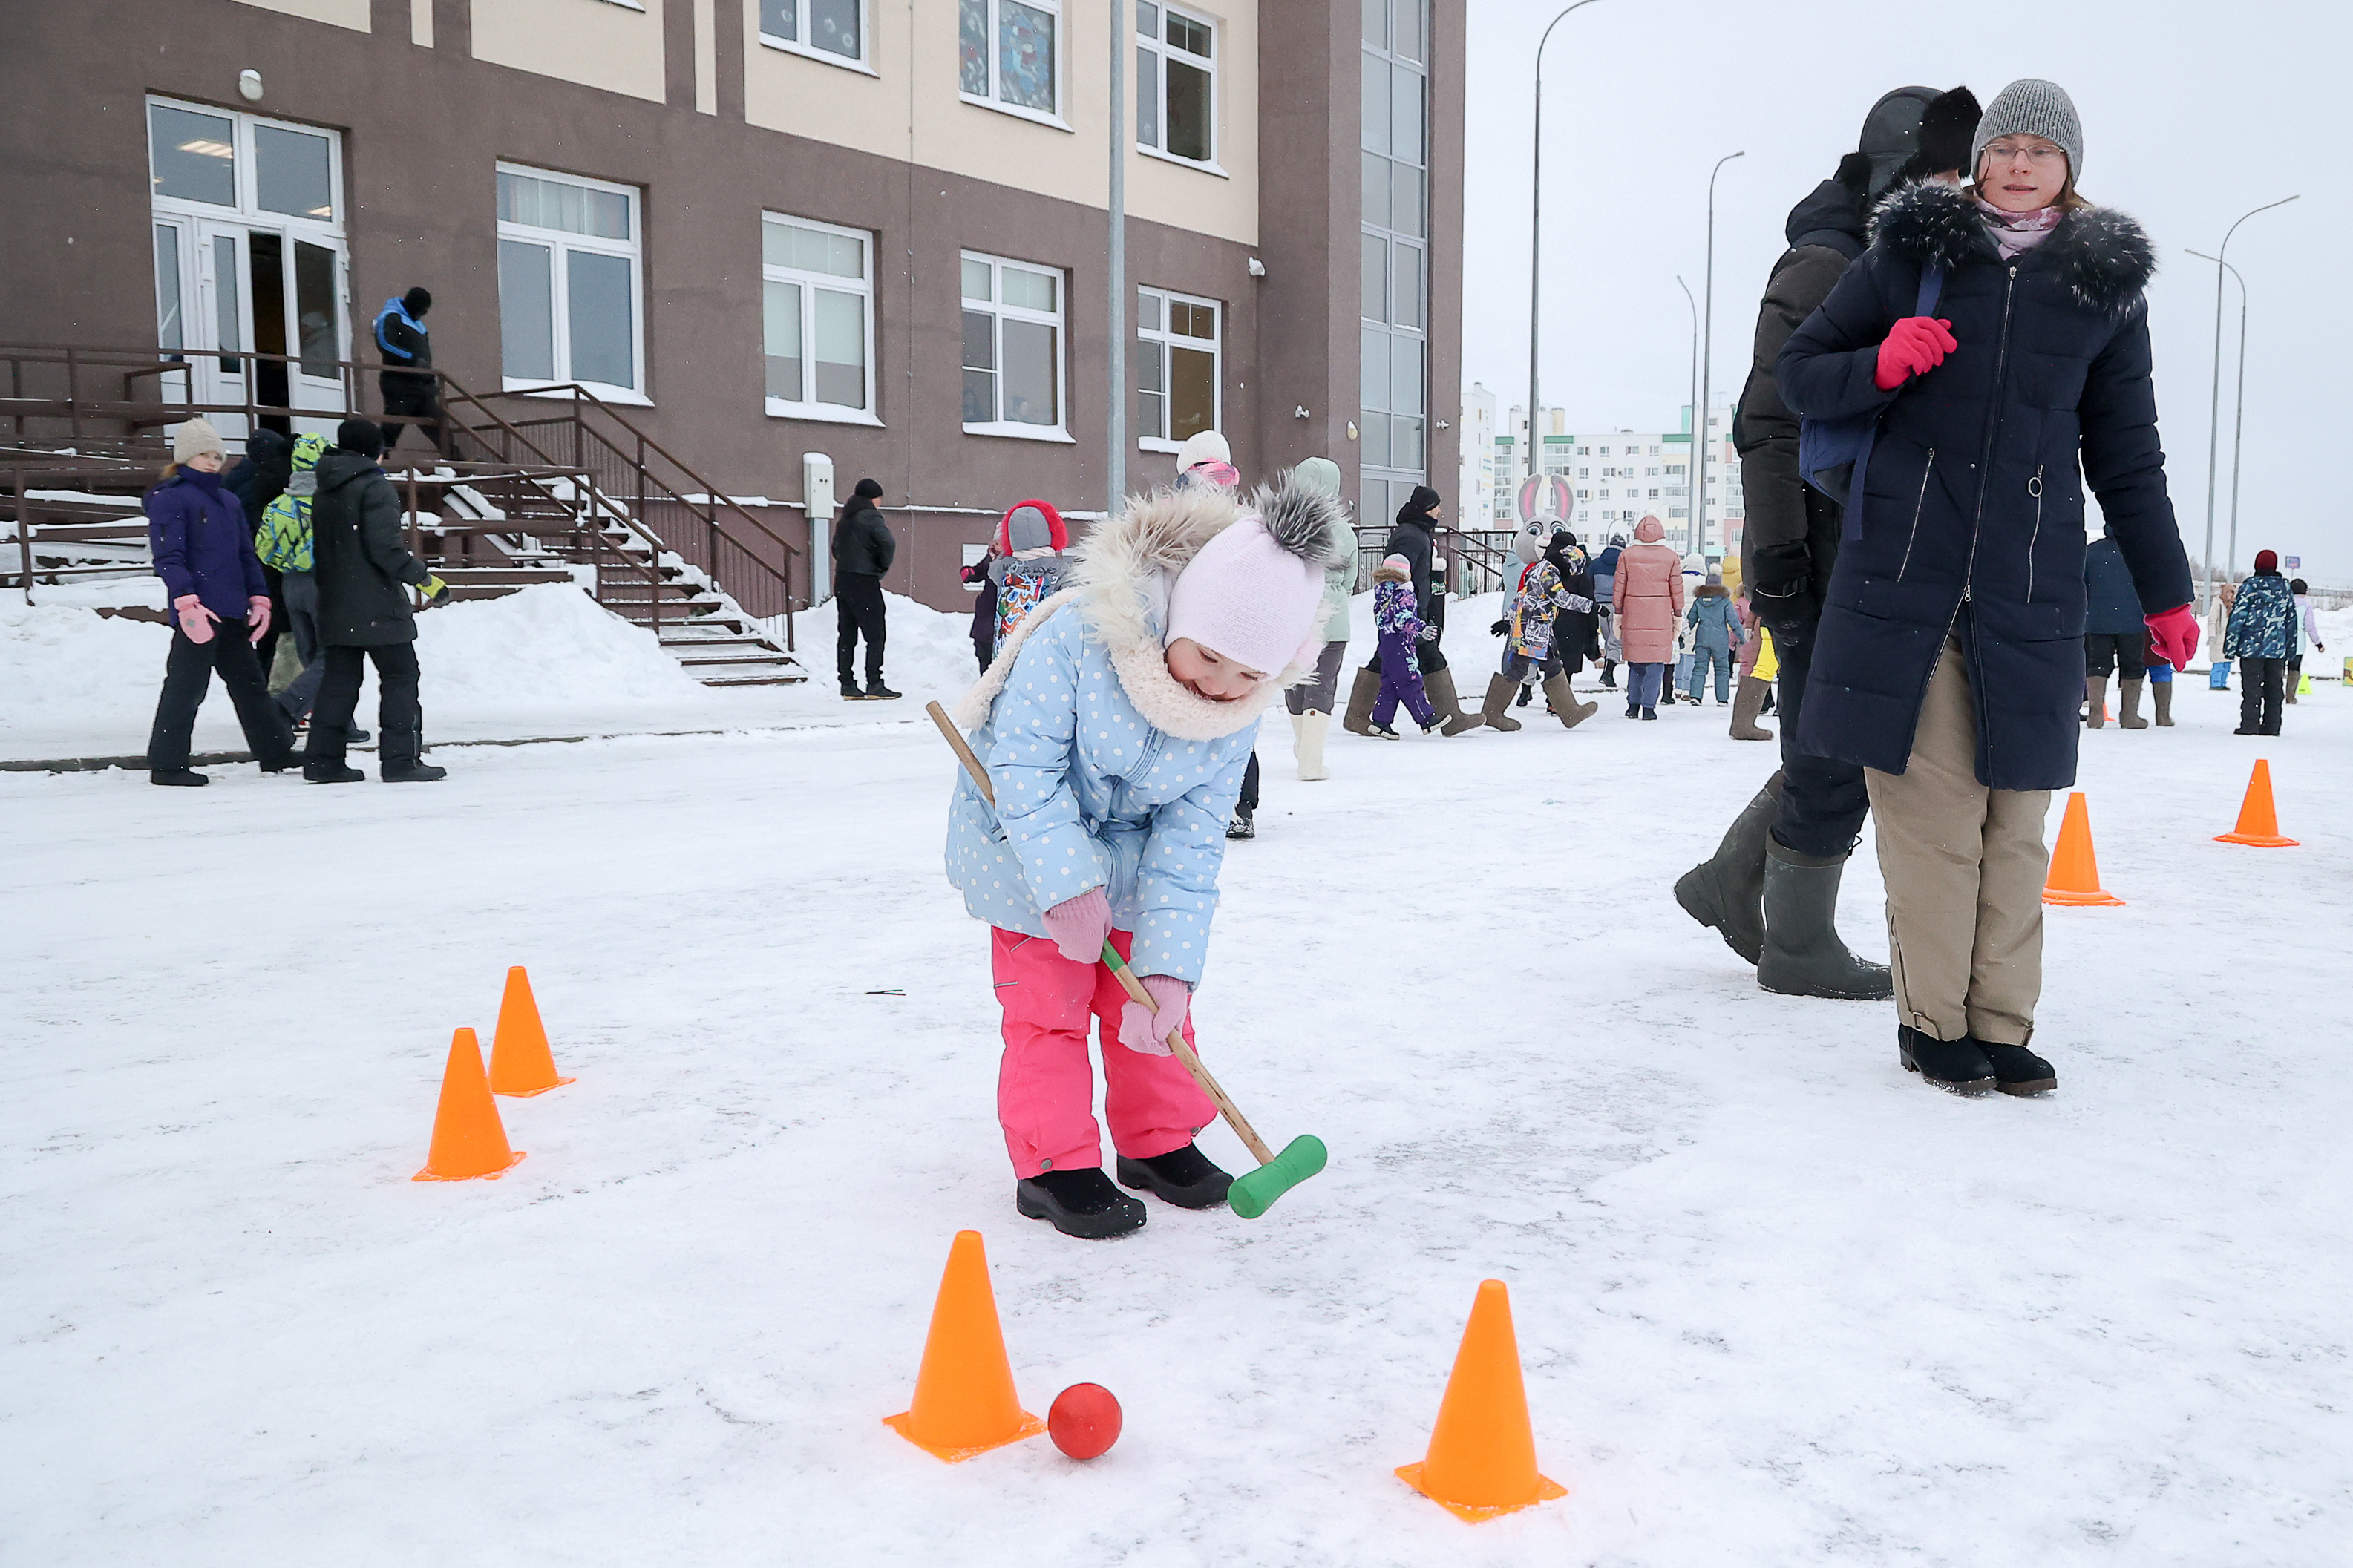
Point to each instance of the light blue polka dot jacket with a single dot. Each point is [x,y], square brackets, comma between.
[1107,772]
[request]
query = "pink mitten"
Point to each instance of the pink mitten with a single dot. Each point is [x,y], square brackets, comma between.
[1148,1032]
[257,614]
[195,621]
[1080,926]
[2174,635]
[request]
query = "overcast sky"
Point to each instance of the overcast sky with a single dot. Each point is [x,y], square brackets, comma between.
[2193,115]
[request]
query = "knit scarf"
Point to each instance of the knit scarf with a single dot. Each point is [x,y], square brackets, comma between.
[2017,232]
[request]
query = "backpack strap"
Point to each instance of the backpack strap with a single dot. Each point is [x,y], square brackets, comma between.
[1924,303]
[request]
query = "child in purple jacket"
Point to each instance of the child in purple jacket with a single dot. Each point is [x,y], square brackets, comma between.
[1401,630]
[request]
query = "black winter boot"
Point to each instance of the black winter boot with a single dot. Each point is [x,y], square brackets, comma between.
[1957,1065]
[1803,954]
[2018,1070]
[329,770]
[1080,1203]
[1182,1176]
[1726,891]
[185,778]
[412,772]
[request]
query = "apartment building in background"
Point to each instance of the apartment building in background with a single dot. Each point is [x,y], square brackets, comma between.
[1621,477]
[773,227]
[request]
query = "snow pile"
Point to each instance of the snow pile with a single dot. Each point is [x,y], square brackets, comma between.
[925,651]
[551,641]
[60,663]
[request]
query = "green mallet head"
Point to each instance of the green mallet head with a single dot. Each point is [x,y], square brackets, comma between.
[1252,1195]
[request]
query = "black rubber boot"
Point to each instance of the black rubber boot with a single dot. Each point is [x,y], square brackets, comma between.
[329,770]
[1080,1203]
[1803,953]
[184,778]
[1726,891]
[1957,1065]
[2018,1070]
[1182,1176]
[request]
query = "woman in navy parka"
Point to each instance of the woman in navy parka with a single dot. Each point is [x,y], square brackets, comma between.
[1949,660]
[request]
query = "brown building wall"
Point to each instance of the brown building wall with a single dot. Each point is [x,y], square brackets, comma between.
[424,128]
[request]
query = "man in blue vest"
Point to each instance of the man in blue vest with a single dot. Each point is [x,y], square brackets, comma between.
[400,337]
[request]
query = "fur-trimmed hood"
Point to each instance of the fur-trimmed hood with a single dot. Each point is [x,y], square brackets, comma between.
[1120,575]
[2103,256]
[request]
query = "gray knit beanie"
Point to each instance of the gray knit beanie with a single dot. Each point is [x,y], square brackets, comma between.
[2032,107]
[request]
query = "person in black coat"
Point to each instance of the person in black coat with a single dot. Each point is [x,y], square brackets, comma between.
[863,550]
[1948,659]
[363,571]
[1771,888]
[1414,536]
[2116,637]
[255,479]
[408,381]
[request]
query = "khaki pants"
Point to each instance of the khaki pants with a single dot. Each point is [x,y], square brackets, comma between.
[1965,868]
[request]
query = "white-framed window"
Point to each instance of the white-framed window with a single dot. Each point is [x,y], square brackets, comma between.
[1176,84]
[571,293]
[817,319]
[1179,369]
[1012,349]
[1008,56]
[830,30]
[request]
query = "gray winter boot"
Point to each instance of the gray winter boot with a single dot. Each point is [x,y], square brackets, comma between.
[1438,685]
[2161,693]
[2095,701]
[1496,712]
[2128,705]
[1728,890]
[1803,953]
[1565,705]
[1747,703]
[1358,720]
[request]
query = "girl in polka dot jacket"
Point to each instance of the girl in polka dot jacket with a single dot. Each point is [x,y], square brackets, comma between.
[1115,725]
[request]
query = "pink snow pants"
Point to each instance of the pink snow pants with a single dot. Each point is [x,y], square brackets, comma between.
[1045,1088]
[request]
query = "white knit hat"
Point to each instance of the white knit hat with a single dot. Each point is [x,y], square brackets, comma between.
[1247,597]
[194,439]
[1203,447]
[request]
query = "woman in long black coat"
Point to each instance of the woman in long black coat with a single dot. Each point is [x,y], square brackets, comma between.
[1949,657]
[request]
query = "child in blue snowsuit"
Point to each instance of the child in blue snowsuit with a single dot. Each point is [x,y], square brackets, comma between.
[1401,631]
[1114,726]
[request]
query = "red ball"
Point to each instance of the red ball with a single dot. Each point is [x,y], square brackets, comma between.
[1083,1420]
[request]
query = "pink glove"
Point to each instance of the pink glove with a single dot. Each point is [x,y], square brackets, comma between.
[1081,925]
[257,614]
[2174,635]
[1148,1031]
[1914,344]
[195,621]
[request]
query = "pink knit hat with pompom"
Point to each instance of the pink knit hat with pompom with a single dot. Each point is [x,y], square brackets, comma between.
[1247,597]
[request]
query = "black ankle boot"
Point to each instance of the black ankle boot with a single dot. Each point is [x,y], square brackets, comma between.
[1803,953]
[2018,1070]
[1726,891]
[1080,1203]
[1958,1065]
[1182,1176]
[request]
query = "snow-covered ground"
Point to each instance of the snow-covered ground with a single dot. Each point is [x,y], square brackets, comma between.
[1778,1303]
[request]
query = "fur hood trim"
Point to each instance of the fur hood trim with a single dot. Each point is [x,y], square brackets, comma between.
[1120,579]
[2103,256]
[1388,574]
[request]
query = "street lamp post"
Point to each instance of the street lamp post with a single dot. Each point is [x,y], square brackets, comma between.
[1535,228]
[1116,422]
[1692,394]
[2238,411]
[1700,440]
[2214,398]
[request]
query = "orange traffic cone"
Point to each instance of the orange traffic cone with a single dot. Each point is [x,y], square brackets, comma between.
[965,1404]
[2074,869]
[1482,1462]
[468,1138]
[521,1063]
[2258,823]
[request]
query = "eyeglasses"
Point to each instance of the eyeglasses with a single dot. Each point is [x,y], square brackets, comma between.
[2010,152]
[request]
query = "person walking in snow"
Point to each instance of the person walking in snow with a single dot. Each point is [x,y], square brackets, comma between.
[1948,659]
[1771,891]
[1541,596]
[1403,635]
[1716,637]
[2301,589]
[255,479]
[2116,635]
[285,544]
[1575,635]
[863,550]
[1695,579]
[202,548]
[1311,702]
[1415,537]
[984,607]
[1114,728]
[1752,692]
[1027,567]
[1649,599]
[406,382]
[2217,621]
[2262,635]
[361,570]
[1605,600]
